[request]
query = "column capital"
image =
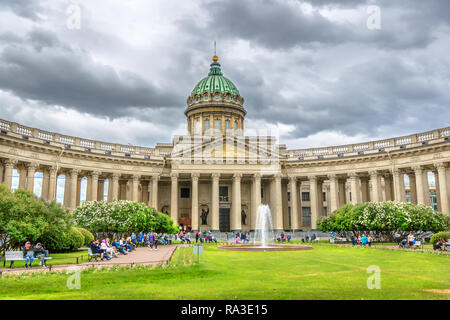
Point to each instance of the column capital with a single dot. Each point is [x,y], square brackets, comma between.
[10,162]
[312,178]
[257,175]
[277,176]
[292,178]
[32,165]
[156,177]
[353,175]
[395,171]
[373,173]
[332,176]
[417,169]
[115,176]
[136,177]
[215,175]
[237,176]
[440,165]
[53,170]
[95,173]
[195,176]
[74,172]
[174,175]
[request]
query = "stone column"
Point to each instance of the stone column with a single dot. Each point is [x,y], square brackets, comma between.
[215,202]
[256,199]
[154,199]
[412,187]
[115,186]
[364,189]
[66,189]
[31,170]
[236,204]
[194,206]
[399,185]
[423,192]
[94,185]
[314,201]
[52,183]
[100,190]
[22,177]
[135,188]
[294,203]
[342,201]
[334,193]
[354,188]
[2,171]
[375,194]
[45,183]
[444,187]
[73,188]
[9,166]
[278,214]
[174,198]
[438,190]
[388,187]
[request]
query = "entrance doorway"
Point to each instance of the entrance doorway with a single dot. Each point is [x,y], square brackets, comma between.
[224,219]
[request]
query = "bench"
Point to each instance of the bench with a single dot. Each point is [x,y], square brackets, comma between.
[92,255]
[12,256]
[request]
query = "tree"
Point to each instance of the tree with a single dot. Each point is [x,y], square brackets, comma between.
[24,217]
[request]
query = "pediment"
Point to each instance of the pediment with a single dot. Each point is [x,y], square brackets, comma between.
[199,149]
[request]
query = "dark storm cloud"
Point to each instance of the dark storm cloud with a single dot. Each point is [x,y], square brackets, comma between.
[49,71]
[23,8]
[279,25]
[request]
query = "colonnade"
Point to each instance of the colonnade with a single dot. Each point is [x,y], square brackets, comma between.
[373,185]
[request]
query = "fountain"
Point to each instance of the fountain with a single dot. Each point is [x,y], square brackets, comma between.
[264,238]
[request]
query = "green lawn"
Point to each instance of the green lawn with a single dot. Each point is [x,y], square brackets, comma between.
[327,272]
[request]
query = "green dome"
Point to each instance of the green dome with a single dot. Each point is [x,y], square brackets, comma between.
[215,82]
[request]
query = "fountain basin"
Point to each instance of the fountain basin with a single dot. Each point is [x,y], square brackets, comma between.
[273,247]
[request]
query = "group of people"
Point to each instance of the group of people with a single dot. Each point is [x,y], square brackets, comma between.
[363,240]
[111,248]
[204,237]
[441,245]
[150,239]
[283,237]
[30,253]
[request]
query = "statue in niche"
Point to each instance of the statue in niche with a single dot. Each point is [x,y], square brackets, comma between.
[204,216]
[243,217]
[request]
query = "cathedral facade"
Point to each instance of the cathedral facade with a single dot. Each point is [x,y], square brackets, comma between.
[215,177]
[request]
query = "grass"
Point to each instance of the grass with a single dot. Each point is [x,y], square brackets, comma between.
[327,272]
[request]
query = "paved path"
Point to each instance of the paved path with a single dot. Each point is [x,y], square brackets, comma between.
[142,256]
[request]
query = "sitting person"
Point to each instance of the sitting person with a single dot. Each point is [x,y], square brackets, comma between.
[439,245]
[95,247]
[125,245]
[109,250]
[40,254]
[118,247]
[28,254]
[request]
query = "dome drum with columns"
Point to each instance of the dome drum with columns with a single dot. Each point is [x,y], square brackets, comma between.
[299,185]
[215,106]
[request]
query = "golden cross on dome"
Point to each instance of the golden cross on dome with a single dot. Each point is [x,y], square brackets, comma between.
[215,58]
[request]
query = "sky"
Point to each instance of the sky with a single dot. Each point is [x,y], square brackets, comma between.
[313,73]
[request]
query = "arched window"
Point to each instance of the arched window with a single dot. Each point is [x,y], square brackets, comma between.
[60,184]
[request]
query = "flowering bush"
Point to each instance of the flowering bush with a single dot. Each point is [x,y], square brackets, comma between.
[383,218]
[121,217]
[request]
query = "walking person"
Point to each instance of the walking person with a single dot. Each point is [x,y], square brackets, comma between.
[151,240]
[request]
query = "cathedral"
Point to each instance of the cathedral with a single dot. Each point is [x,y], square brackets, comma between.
[215,177]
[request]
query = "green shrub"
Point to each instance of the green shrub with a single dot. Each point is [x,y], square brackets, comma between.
[437,236]
[88,236]
[69,240]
